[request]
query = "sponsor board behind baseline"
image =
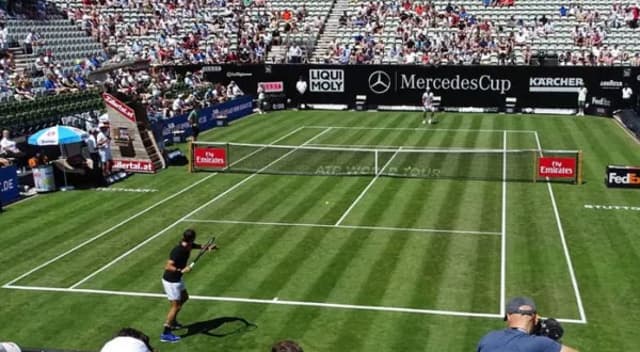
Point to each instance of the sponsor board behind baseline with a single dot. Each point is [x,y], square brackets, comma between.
[459,86]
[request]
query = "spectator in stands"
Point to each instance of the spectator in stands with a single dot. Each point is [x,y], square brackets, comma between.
[8,147]
[286,346]
[38,159]
[128,340]
[521,318]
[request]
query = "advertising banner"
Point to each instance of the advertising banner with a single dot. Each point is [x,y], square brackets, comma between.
[210,157]
[459,86]
[555,167]
[622,176]
[9,191]
[233,110]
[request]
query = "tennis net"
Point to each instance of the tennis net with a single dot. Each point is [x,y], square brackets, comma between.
[482,164]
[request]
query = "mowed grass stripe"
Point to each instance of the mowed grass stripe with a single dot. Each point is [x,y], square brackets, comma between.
[53,233]
[103,250]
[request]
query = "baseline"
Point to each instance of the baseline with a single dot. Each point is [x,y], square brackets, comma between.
[279,302]
[349,227]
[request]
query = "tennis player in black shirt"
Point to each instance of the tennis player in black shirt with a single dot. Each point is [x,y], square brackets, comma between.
[173,284]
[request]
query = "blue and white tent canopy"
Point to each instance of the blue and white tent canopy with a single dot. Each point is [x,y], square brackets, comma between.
[58,135]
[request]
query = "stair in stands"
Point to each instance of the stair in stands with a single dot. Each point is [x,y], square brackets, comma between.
[331,30]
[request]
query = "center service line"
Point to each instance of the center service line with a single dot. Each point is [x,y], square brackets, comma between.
[229,190]
[366,188]
[503,249]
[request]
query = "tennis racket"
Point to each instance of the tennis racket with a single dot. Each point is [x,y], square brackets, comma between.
[203,250]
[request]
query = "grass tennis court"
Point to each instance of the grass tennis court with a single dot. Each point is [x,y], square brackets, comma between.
[338,263]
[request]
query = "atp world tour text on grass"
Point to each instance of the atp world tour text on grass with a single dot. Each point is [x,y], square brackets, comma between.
[409,171]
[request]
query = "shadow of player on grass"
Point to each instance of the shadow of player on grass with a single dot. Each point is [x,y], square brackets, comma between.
[219,327]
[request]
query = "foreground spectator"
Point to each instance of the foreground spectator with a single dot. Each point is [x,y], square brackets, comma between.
[128,340]
[9,346]
[286,346]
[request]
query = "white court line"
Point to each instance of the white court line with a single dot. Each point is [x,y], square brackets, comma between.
[565,248]
[373,146]
[229,190]
[264,301]
[132,218]
[503,249]
[278,301]
[350,227]
[364,191]
[421,129]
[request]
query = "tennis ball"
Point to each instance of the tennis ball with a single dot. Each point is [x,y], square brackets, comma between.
[326,202]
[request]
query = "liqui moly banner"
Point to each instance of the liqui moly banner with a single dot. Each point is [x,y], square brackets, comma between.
[210,158]
[555,167]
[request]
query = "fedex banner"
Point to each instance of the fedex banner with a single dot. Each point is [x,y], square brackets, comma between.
[210,158]
[554,167]
[622,176]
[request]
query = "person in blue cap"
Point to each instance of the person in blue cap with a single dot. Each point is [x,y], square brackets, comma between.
[521,317]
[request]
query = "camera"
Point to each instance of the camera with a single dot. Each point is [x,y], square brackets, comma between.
[550,328]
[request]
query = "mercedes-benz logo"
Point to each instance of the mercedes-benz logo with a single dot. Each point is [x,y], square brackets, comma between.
[379,82]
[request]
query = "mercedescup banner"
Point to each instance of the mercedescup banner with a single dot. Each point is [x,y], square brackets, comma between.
[459,86]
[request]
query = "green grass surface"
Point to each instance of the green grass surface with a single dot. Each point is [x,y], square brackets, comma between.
[431,245]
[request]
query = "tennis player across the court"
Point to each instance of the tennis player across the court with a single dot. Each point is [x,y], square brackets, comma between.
[172,280]
[427,103]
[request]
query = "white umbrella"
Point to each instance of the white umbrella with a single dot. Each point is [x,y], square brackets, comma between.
[58,135]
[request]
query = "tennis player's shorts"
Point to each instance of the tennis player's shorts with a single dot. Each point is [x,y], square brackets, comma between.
[429,108]
[581,103]
[173,289]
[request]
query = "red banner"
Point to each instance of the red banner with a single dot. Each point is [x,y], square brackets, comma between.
[210,157]
[557,167]
[140,166]
[272,87]
[122,108]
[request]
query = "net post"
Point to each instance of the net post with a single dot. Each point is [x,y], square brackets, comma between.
[226,167]
[190,150]
[579,173]
[534,153]
[375,158]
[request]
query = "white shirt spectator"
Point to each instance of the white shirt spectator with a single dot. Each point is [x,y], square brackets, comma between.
[124,344]
[627,92]
[582,94]
[7,145]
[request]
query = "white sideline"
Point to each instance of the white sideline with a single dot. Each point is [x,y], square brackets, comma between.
[364,191]
[130,218]
[229,190]
[279,301]
[503,249]
[350,227]
[565,248]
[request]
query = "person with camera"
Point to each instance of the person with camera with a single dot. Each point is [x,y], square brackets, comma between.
[525,332]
